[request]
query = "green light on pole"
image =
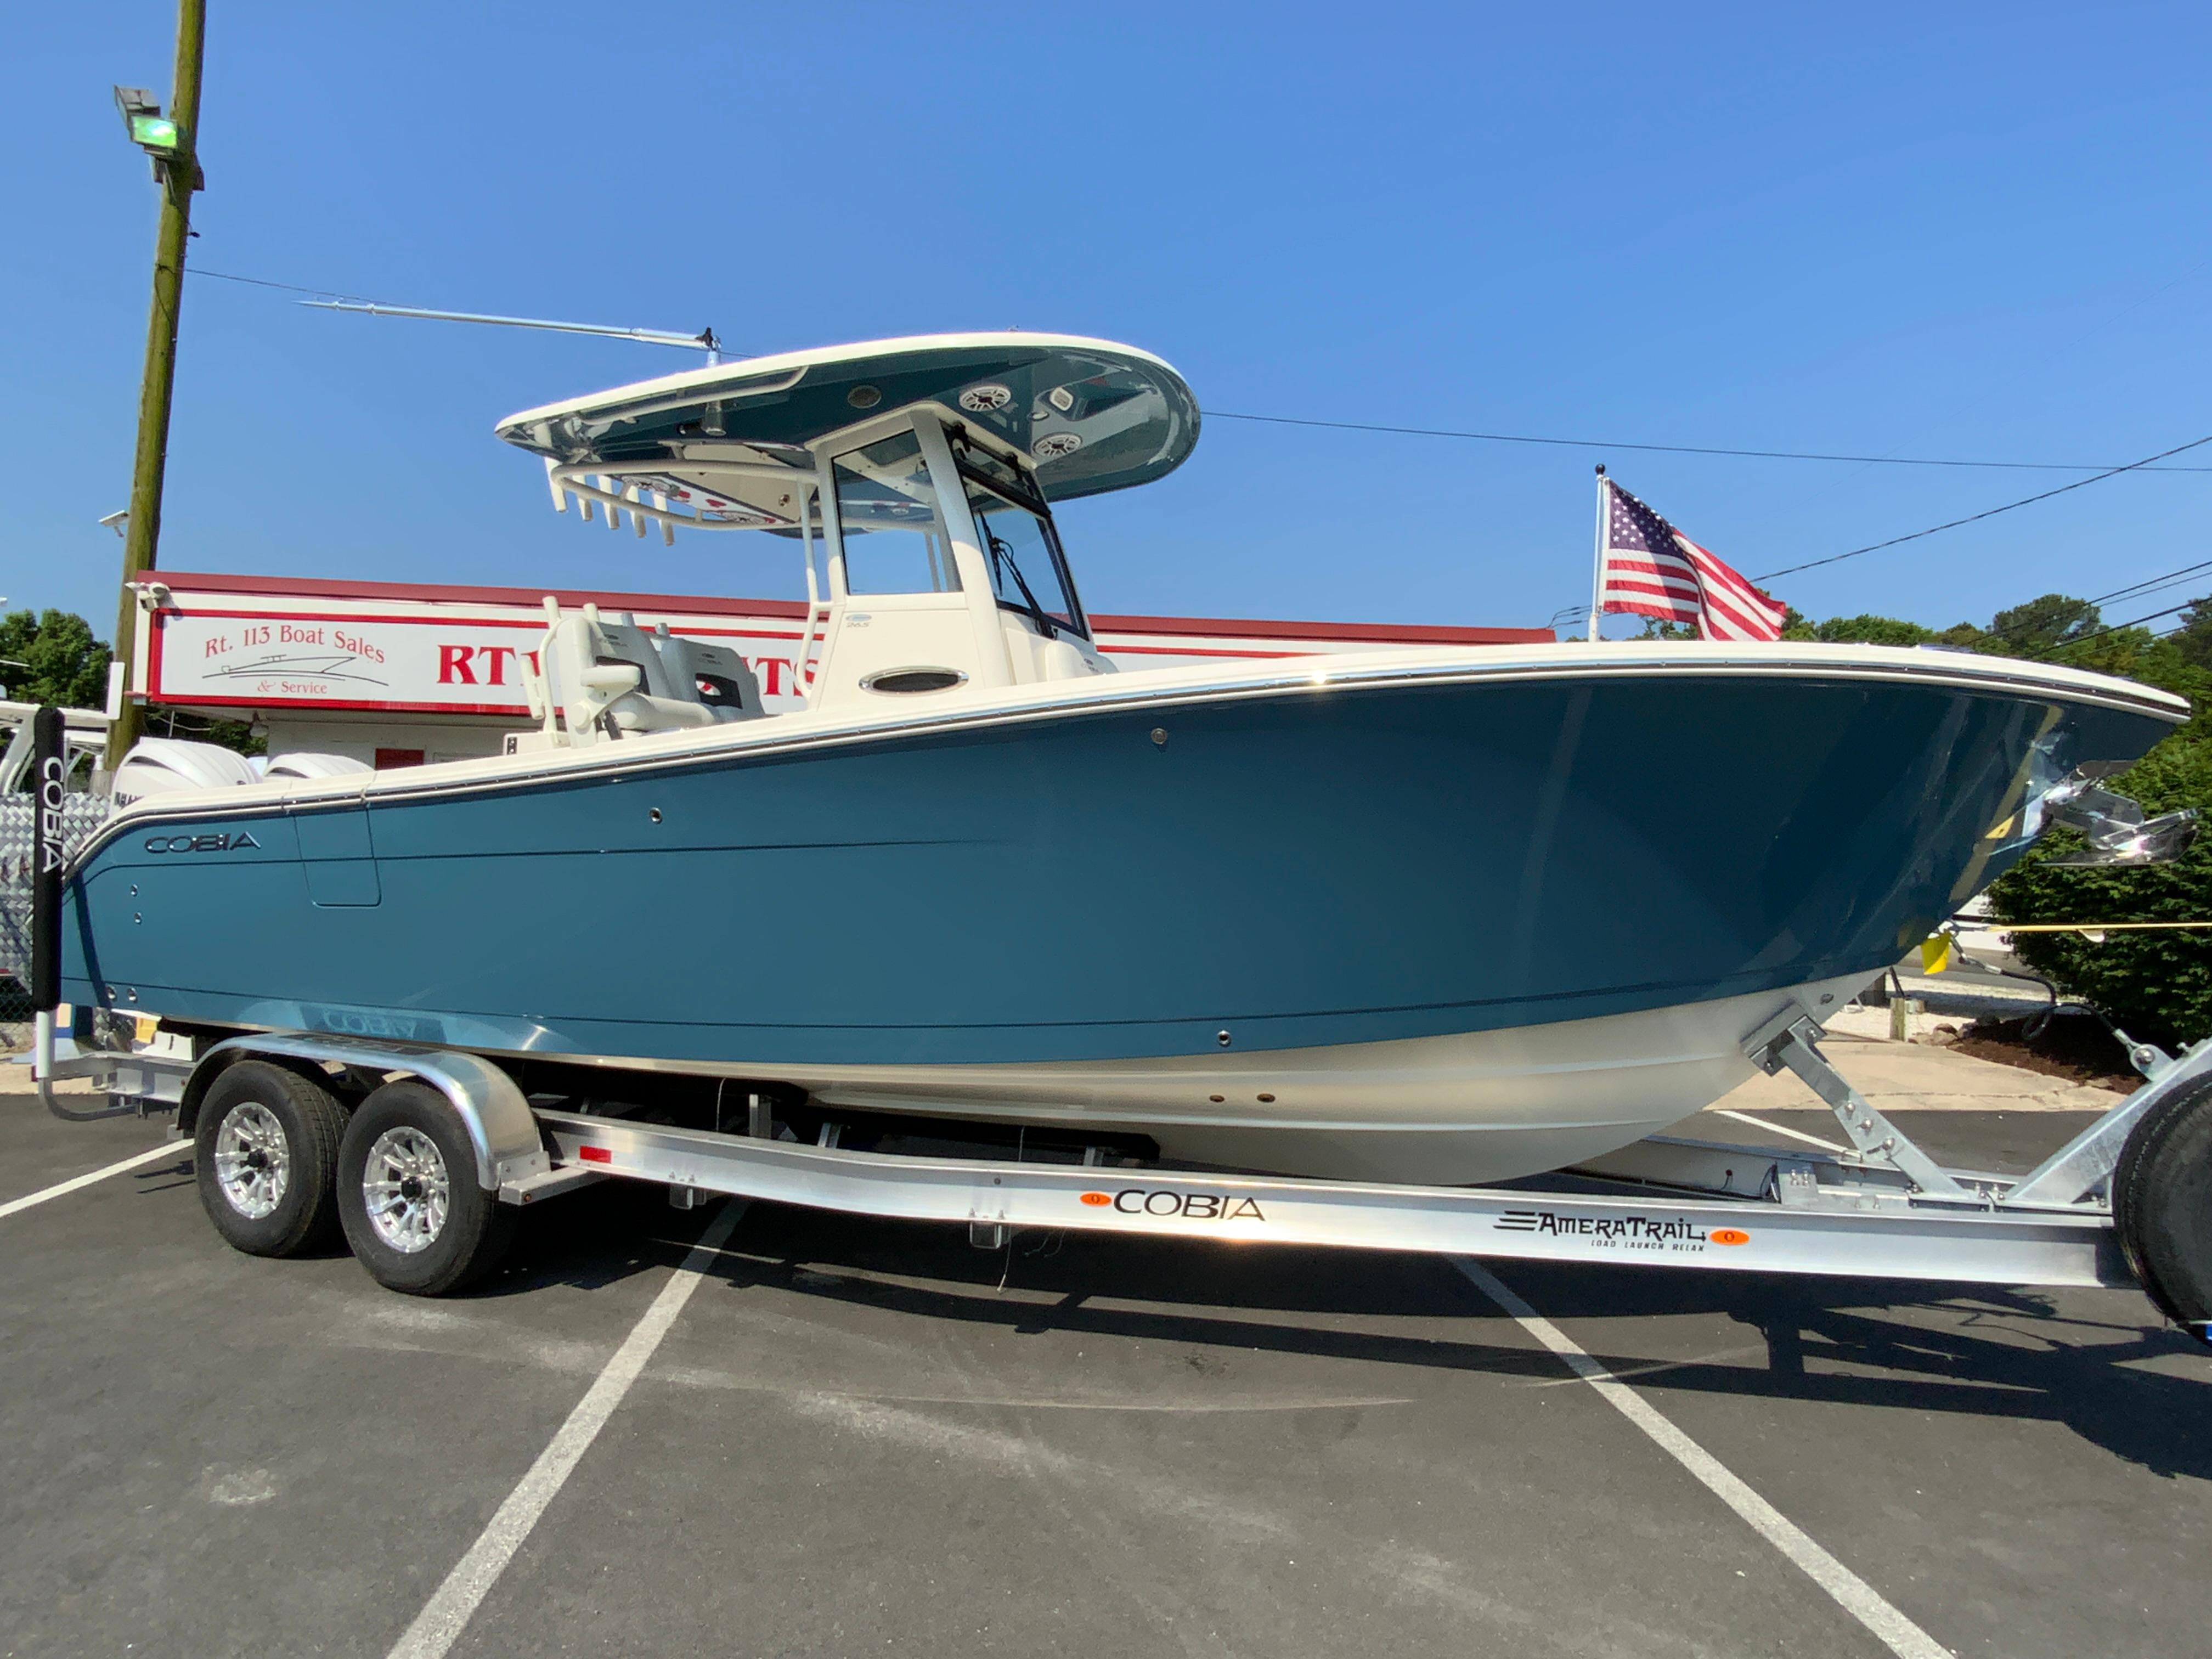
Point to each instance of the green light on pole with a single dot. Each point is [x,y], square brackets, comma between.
[151,131]
[156,134]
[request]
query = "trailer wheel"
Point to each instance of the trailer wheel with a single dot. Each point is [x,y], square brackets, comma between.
[265,1151]
[2162,1206]
[408,1195]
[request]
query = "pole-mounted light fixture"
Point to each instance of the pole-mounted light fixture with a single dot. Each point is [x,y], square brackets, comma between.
[151,131]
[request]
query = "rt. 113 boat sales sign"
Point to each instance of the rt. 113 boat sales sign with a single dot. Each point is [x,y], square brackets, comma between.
[222,641]
[260,655]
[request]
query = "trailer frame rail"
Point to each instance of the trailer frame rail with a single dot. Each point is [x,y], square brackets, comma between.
[1884,1210]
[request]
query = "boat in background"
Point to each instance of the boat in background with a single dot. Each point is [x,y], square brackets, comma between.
[1445,915]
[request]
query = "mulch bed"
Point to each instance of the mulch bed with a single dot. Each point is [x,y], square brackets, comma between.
[2075,1047]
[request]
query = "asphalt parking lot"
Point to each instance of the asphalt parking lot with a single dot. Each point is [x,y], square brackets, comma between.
[866,1437]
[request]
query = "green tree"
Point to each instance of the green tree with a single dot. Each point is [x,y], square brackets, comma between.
[1869,629]
[2194,640]
[52,658]
[1872,630]
[2041,626]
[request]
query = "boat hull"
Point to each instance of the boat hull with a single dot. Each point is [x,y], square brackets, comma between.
[1470,1106]
[1424,910]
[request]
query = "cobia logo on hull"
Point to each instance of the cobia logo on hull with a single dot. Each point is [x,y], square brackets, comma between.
[1191,1206]
[221,841]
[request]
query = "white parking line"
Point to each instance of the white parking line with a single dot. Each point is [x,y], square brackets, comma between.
[173,1149]
[1776,1128]
[443,1618]
[1852,1593]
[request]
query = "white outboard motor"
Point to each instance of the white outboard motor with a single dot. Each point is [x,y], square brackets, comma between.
[313,766]
[157,766]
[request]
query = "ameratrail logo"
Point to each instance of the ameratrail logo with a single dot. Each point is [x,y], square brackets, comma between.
[1634,1232]
[1164,1202]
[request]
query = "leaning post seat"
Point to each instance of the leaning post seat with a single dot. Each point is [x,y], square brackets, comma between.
[600,679]
[714,675]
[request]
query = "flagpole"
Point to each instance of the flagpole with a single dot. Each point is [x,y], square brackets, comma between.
[1597,564]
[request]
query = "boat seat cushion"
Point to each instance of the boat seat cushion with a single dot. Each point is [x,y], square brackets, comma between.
[717,678]
[601,673]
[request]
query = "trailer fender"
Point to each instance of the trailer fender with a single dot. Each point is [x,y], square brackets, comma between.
[502,1130]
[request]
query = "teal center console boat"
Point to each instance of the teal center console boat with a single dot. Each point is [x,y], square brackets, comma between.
[1432,916]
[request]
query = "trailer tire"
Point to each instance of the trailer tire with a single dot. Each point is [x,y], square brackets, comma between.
[407,1194]
[264,1153]
[2162,1206]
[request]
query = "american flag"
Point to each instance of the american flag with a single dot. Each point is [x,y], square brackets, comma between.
[1652,569]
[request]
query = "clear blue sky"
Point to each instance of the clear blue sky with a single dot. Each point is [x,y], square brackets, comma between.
[1921,230]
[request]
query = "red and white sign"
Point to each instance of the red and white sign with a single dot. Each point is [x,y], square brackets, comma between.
[224,642]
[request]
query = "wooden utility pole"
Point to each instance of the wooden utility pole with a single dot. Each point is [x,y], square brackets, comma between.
[180,177]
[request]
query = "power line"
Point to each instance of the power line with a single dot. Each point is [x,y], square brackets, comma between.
[1676,449]
[2171,610]
[257,281]
[2150,584]
[2142,589]
[2117,627]
[1991,513]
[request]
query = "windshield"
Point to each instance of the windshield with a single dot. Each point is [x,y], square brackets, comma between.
[887,518]
[1028,573]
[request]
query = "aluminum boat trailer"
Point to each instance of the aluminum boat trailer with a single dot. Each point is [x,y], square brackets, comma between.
[2125,1203]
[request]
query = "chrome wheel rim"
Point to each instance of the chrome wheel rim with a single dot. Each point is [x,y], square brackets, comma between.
[252,1160]
[406,1190]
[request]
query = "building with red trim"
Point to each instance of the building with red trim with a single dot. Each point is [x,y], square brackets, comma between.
[397,673]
